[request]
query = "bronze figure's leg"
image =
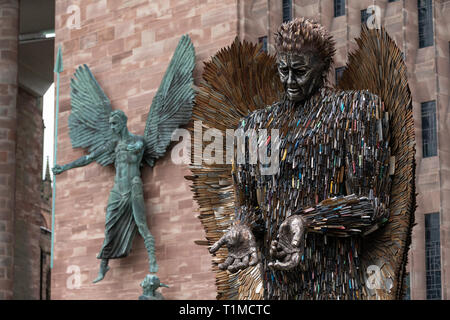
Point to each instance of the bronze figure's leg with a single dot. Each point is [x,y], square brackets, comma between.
[138,203]
[105,252]
[103,270]
[104,263]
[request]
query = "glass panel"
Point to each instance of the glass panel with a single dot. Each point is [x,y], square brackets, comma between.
[287,10]
[364,16]
[338,74]
[433,256]
[263,40]
[407,295]
[425,16]
[429,130]
[339,8]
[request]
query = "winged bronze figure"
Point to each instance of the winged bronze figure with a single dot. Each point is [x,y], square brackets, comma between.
[95,126]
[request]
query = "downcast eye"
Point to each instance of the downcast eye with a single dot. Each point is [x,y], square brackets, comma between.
[283,69]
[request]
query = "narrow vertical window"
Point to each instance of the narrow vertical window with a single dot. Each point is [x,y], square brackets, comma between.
[425,15]
[338,74]
[364,16]
[407,285]
[41,276]
[263,40]
[429,132]
[287,10]
[433,256]
[339,8]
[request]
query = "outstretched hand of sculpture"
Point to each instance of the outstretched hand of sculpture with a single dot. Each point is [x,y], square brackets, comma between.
[241,248]
[286,251]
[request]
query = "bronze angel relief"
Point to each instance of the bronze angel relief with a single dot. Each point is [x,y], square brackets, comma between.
[340,206]
[103,132]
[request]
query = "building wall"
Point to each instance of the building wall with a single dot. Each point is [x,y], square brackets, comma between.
[259,18]
[29,205]
[9,30]
[128,44]
[22,210]
[442,78]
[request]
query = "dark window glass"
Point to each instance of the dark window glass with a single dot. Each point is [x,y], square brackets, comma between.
[364,16]
[392,0]
[339,8]
[287,10]
[338,74]
[425,14]
[433,256]
[429,132]
[263,40]
[407,295]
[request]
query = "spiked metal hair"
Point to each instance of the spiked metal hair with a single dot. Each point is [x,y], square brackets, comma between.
[303,35]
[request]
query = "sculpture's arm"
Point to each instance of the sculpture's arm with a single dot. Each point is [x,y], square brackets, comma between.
[368,165]
[240,239]
[247,209]
[82,161]
[243,237]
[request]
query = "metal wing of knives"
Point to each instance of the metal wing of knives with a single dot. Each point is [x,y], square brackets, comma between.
[378,65]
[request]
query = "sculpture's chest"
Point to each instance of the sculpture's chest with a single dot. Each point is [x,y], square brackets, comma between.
[310,161]
[123,155]
[316,129]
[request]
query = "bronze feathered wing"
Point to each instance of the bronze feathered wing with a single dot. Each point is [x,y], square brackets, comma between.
[89,118]
[378,66]
[172,105]
[236,81]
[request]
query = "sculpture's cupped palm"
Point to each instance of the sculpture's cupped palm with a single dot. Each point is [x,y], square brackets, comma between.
[288,248]
[241,248]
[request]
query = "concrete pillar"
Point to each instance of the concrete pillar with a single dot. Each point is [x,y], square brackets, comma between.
[9,33]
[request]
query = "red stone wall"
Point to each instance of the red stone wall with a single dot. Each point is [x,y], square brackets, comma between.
[9,29]
[28,215]
[128,44]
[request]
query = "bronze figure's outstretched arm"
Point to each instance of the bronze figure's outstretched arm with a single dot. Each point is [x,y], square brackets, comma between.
[80,162]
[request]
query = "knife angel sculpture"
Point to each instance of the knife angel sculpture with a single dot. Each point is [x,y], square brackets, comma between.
[95,126]
[334,219]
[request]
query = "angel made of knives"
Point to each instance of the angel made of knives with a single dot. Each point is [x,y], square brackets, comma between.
[103,132]
[333,175]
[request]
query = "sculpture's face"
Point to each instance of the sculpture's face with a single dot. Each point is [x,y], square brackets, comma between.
[300,74]
[116,124]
